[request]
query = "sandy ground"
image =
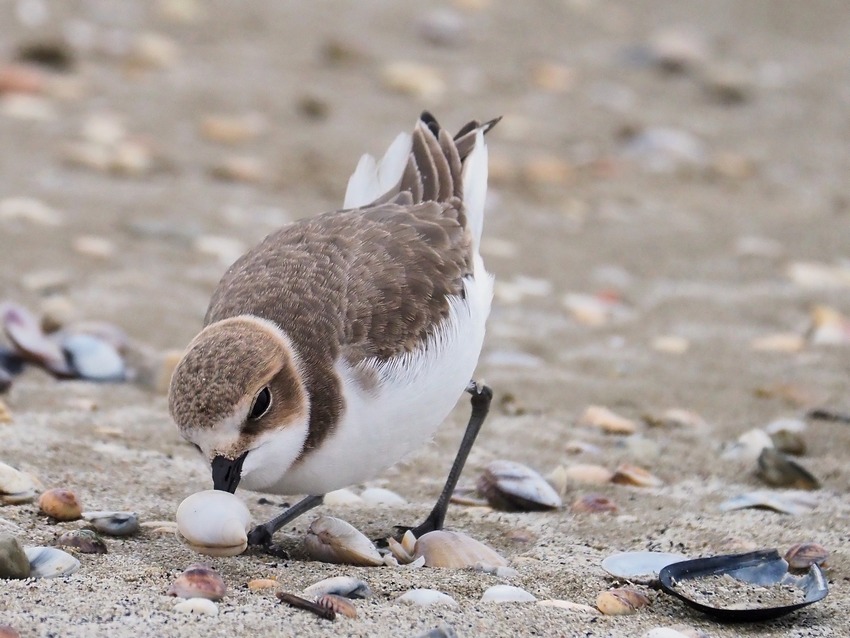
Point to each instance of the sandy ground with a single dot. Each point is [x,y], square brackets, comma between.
[704,252]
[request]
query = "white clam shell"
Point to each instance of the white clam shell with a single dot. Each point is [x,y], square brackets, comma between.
[214,522]
[507,594]
[381,496]
[49,562]
[444,548]
[197,606]
[16,486]
[332,540]
[426,598]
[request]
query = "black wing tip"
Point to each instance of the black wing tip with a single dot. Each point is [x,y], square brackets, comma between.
[428,119]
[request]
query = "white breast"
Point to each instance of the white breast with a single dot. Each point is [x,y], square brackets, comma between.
[415,394]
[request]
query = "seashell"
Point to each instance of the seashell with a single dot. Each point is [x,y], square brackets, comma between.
[7,631]
[332,540]
[338,605]
[342,497]
[676,418]
[380,496]
[588,474]
[619,602]
[203,606]
[507,594]
[414,79]
[15,486]
[456,550]
[113,523]
[93,358]
[675,49]
[214,522]
[593,504]
[25,333]
[628,474]
[793,503]
[803,555]
[787,435]
[61,504]
[399,552]
[258,584]
[198,581]
[427,598]
[13,559]
[777,469]
[569,606]
[748,446]
[93,246]
[639,567]
[49,562]
[84,541]
[239,168]
[671,344]
[346,586]
[232,129]
[606,420]
[785,342]
[513,487]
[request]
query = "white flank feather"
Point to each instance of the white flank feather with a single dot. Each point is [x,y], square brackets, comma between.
[372,179]
[475,170]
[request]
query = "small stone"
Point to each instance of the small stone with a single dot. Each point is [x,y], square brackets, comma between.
[21,78]
[240,168]
[13,559]
[729,84]
[61,504]
[677,49]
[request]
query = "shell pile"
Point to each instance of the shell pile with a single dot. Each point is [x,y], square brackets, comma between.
[214,522]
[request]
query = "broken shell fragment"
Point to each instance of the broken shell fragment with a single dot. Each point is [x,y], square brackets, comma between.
[198,581]
[507,594]
[15,486]
[84,541]
[593,504]
[456,550]
[258,584]
[803,555]
[513,487]
[214,522]
[628,474]
[346,586]
[639,567]
[606,420]
[338,605]
[794,503]
[61,504]
[113,523]
[332,540]
[49,562]
[619,602]
[777,469]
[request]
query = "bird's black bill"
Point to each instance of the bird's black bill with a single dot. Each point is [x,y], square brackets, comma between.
[227,472]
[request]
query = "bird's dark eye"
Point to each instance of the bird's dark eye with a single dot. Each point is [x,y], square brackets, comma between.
[261,404]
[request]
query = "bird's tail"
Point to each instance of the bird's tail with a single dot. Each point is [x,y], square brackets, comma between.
[429,165]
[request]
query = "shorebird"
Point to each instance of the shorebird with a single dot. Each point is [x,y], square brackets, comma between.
[339,344]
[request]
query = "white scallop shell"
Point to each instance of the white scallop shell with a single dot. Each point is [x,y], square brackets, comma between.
[214,522]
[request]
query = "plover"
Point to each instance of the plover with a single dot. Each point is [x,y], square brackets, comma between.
[338,345]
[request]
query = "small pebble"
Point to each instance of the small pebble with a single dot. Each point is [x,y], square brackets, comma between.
[13,560]
[258,584]
[414,79]
[61,504]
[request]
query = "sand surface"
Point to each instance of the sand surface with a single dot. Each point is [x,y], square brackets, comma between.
[702,242]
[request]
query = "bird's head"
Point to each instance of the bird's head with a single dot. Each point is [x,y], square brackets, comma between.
[238,396]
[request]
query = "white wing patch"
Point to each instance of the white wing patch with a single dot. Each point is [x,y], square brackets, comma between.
[372,179]
[475,169]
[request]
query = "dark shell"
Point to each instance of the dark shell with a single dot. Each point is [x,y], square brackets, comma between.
[777,469]
[84,541]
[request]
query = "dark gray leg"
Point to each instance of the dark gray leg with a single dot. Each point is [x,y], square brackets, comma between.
[262,534]
[481,397]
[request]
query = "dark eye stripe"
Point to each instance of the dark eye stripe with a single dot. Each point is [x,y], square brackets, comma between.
[262,403]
